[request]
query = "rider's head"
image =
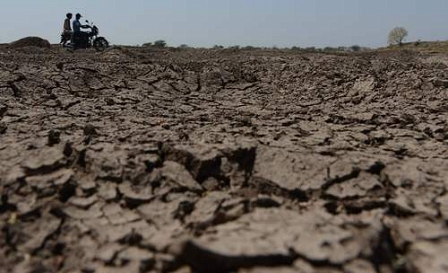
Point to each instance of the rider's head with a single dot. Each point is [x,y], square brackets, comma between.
[78,16]
[69,15]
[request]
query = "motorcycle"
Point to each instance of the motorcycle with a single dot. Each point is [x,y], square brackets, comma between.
[86,40]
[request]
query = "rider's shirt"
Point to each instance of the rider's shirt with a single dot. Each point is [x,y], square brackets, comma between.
[76,26]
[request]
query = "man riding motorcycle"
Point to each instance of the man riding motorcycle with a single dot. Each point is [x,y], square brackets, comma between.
[79,35]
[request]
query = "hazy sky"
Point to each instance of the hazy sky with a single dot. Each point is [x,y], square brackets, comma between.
[232,22]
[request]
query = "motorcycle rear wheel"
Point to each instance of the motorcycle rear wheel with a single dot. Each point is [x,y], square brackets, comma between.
[100,44]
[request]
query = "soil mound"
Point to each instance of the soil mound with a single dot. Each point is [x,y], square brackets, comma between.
[31,41]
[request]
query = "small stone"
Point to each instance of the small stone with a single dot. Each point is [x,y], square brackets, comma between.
[152,161]
[3,109]
[90,130]
[109,101]
[54,137]
[3,128]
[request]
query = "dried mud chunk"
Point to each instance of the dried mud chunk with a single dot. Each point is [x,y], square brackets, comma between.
[87,186]
[290,171]
[238,162]
[135,196]
[265,238]
[33,235]
[83,202]
[270,270]
[95,84]
[126,268]
[106,162]
[142,256]
[408,231]
[160,213]
[303,266]
[76,213]
[108,252]
[428,257]
[167,263]
[107,191]
[419,196]
[362,118]
[357,187]
[52,180]
[14,175]
[117,215]
[25,204]
[175,173]
[166,236]
[359,266]
[266,201]
[201,161]
[140,230]
[45,160]
[443,206]
[362,87]
[419,200]
[379,136]
[206,209]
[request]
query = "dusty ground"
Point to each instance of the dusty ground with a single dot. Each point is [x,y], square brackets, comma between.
[136,160]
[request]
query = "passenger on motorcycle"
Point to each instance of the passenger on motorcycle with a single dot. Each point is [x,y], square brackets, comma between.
[67,24]
[77,33]
[67,29]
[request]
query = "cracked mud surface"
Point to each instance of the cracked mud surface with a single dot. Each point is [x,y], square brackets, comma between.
[135,160]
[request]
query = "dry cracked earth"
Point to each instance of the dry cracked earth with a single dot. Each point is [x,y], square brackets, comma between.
[144,160]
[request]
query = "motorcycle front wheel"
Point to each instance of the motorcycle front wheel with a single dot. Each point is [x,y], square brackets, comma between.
[100,44]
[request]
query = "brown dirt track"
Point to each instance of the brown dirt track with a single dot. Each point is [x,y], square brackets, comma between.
[143,160]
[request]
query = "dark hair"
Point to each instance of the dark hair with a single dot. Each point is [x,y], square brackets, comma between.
[69,15]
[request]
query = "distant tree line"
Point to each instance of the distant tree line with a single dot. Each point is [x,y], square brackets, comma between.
[354,48]
[396,37]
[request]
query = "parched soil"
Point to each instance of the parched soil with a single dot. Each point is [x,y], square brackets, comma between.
[145,160]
